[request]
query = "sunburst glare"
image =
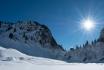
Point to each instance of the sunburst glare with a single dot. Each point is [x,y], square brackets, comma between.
[88,24]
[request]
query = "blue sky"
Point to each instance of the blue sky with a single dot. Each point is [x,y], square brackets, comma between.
[61,16]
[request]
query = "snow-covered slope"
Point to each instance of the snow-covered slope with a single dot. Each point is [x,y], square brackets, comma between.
[31,38]
[12,55]
[11,59]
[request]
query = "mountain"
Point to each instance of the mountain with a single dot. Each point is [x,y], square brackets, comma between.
[34,39]
[31,38]
[89,52]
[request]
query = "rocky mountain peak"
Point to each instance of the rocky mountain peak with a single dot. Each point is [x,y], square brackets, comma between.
[30,31]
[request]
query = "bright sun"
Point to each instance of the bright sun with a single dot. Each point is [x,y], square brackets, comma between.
[88,24]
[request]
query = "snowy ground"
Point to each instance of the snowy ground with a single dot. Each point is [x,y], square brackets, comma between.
[48,65]
[11,59]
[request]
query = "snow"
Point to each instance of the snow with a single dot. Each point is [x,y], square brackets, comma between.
[52,66]
[18,56]
[25,62]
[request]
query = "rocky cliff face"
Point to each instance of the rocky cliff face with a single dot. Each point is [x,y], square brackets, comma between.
[29,37]
[30,30]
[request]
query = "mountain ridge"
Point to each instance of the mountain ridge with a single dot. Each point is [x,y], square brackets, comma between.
[35,39]
[29,37]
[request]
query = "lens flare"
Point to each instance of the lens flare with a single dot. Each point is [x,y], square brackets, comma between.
[88,24]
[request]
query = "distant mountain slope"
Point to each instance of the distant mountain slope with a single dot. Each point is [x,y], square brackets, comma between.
[89,52]
[31,38]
